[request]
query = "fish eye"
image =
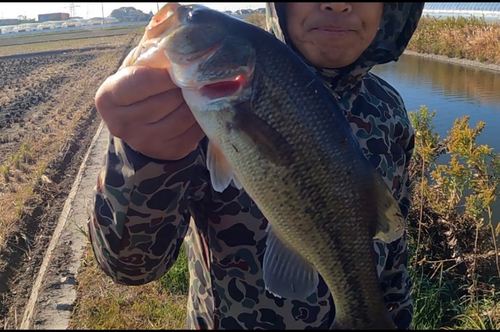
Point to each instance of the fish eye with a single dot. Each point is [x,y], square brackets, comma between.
[198,15]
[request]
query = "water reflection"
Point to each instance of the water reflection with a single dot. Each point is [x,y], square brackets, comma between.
[457,81]
[452,90]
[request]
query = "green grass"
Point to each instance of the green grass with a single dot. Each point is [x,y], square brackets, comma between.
[176,281]
[434,299]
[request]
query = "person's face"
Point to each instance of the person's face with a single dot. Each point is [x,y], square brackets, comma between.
[332,34]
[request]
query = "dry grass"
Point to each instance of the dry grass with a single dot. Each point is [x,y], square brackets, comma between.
[257,19]
[465,38]
[102,304]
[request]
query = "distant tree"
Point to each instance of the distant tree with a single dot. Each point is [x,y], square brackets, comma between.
[118,14]
[130,14]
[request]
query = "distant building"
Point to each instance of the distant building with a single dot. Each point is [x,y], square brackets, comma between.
[242,13]
[11,21]
[53,17]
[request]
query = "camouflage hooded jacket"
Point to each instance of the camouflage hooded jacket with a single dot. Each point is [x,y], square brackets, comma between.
[145,209]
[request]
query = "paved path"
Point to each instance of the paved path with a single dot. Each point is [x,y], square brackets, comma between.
[51,301]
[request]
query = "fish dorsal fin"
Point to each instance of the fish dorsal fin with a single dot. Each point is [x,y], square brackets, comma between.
[286,274]
[390,220]
[221,172]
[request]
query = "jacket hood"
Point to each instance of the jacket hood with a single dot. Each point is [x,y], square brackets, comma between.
[397,25]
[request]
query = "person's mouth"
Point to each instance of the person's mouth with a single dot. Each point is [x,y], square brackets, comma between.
[333,30]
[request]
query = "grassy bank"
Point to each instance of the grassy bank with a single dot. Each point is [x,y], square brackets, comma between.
[103,305]
[463,38]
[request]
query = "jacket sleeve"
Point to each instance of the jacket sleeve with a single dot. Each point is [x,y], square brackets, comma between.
[393,273]
[140,214]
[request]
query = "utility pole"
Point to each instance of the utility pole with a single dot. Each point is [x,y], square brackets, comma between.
[72,8]
[102,9]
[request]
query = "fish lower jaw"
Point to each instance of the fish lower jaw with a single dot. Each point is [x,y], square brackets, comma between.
[201,104]
[216,89]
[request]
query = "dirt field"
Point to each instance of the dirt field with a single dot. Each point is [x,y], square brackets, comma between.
[47,121]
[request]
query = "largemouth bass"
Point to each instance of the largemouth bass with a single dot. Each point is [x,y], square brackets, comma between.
[275,130]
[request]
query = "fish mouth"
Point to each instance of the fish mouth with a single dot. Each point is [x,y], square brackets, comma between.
[202,71]
[223,88]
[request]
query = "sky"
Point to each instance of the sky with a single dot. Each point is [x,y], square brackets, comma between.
[94,9]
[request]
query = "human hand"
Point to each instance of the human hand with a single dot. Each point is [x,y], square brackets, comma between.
[144,108]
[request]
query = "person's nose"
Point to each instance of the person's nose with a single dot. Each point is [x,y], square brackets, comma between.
[337,7]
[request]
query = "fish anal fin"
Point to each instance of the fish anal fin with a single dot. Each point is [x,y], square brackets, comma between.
[286,274]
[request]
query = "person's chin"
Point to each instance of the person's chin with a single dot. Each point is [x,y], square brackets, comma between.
[332,62]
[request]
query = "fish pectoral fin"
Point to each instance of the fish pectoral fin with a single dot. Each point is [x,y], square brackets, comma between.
[286,273]
[268,141]
[236,182]
[221,172]
[390,220]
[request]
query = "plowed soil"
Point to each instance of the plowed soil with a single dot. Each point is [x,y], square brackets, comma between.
[47,121]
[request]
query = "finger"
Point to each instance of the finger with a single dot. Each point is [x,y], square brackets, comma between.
[188,140]
[132,84]
[169,149]
[173,124]
[168,128]
[127,58]
[152,109]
